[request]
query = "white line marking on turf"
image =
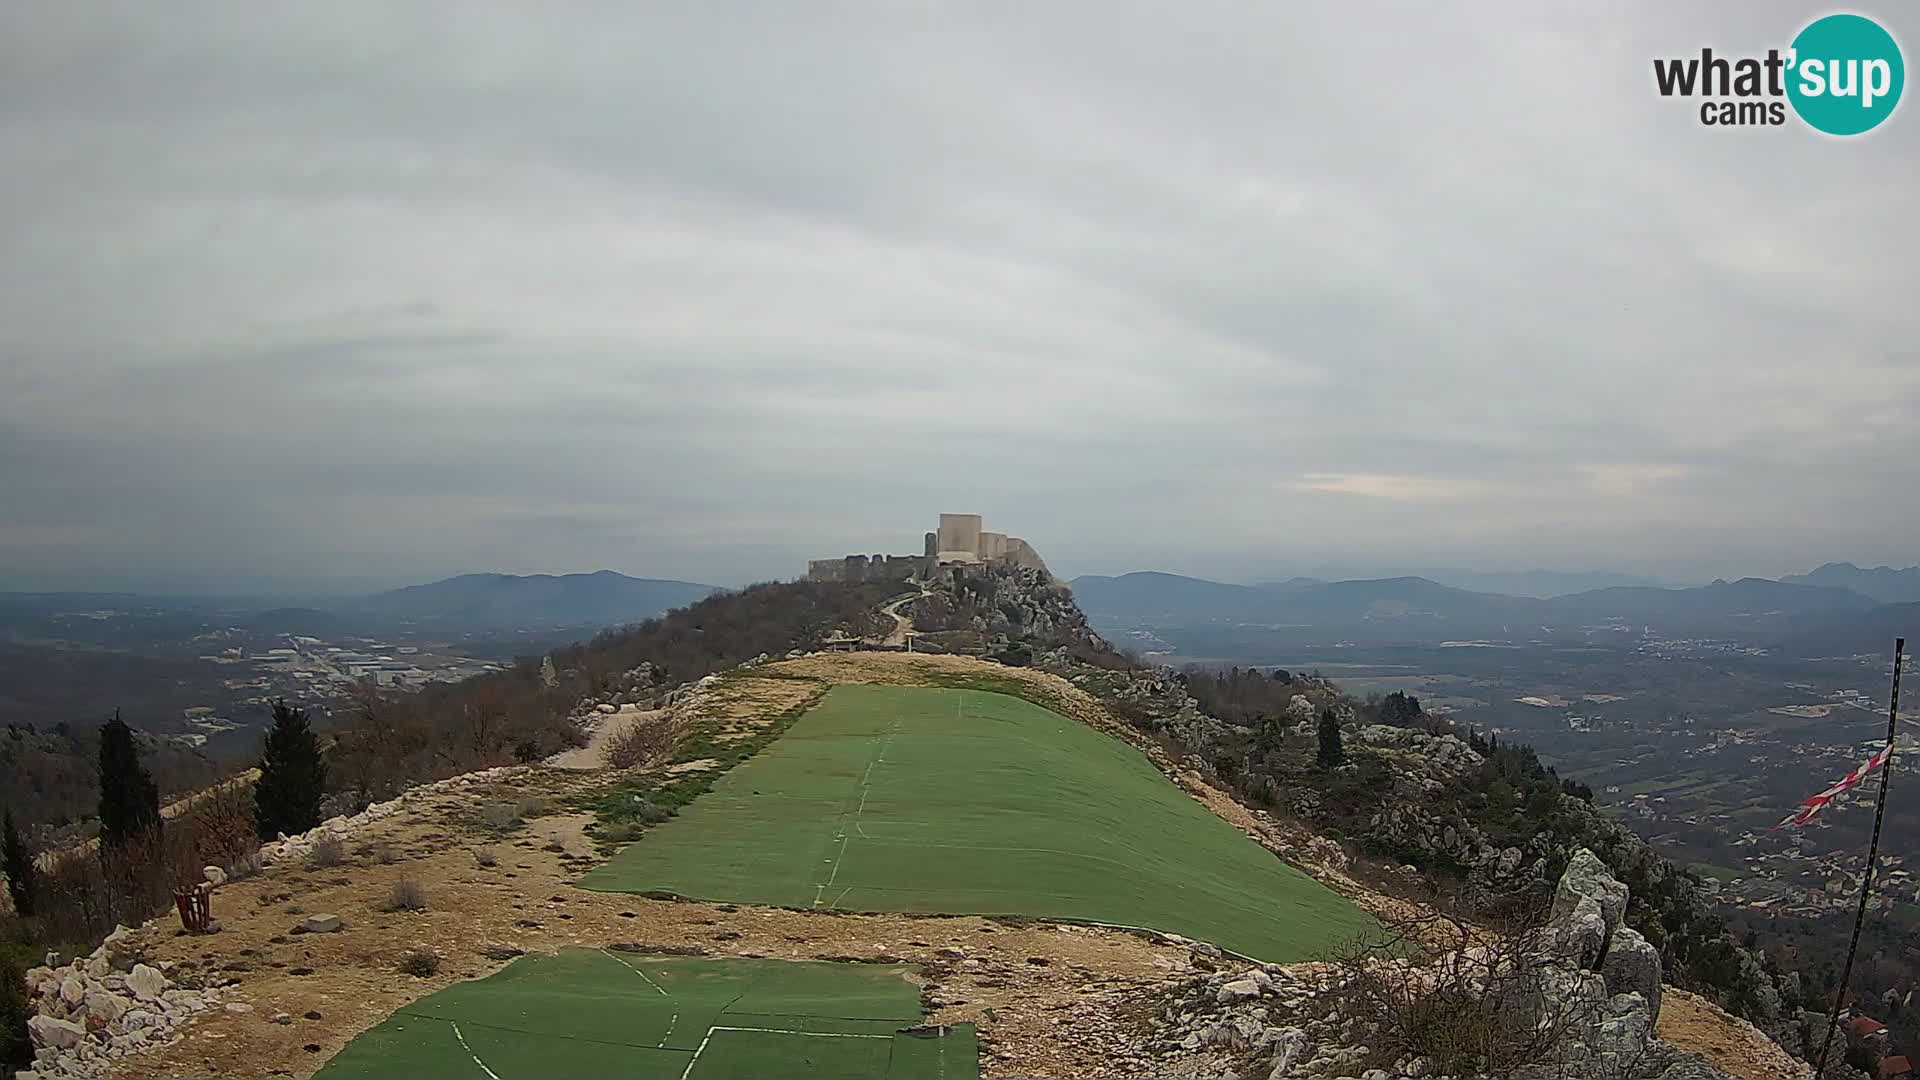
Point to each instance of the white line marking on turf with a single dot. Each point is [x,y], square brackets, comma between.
[672,1021]
[866,788]
[688,1071]
[471,1054]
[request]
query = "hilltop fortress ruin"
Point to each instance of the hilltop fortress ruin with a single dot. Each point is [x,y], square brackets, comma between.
[959,541]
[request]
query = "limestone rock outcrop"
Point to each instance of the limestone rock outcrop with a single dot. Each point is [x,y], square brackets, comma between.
[100,1008]
[1587,978]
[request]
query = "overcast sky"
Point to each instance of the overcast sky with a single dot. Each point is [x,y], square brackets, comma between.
[337,294]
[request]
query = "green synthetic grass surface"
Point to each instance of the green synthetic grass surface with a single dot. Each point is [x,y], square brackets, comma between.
[588,1013]
[888,798]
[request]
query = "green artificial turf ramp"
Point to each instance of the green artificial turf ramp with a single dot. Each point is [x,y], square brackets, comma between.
[889,798]
[592,1013]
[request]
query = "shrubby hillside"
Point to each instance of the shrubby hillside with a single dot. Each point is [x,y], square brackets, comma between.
[1485,824]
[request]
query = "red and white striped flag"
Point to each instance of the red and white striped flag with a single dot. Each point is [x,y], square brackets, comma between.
[1852,780]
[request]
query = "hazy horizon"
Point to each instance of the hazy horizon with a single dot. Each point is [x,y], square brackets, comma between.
[294,589]
[368,296]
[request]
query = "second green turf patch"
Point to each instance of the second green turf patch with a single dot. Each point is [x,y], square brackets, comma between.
[593,1013]
[914,799]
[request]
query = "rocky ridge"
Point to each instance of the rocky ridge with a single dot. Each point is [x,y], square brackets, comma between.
[109,1005]
[1591,981]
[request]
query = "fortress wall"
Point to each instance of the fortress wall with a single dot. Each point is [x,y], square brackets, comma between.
[959,533]
[1020,553]
[959,539]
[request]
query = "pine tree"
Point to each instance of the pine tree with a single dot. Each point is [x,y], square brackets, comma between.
[129,801]
[293,776]
[17,862]
[1332,754]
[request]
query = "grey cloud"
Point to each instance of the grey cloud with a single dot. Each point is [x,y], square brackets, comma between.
[353,291]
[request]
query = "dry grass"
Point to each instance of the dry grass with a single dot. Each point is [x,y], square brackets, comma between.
[407,894]
[1466,998]
[327,852]
[420,963]
[500,817]
[646,740]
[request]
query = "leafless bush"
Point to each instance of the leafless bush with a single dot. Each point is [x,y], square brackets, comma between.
[500,817]
[645,741]
[420,963]
[530,807]
[407,894]
[327,851]
[220,820]
[1469,999]
[485,856]
[382,852]
[245,865]
[86,893]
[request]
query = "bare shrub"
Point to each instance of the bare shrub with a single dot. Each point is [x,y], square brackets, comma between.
[645,741]
[530,807]
[420,963]
[220,820]
[382,853]
[327,851]
[407,894]
[245,865]
[500,817]
[485,856]
[1467,998]
[621,833]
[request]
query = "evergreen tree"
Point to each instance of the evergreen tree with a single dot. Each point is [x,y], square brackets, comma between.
[293,776]
[1331,754]
[129,801]
[17,862]
[16,1040]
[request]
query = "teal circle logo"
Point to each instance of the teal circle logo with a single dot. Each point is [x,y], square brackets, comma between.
[1845,75]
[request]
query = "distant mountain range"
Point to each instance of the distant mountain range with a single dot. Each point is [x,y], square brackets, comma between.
[604,598]
[1420,608]
[1882,583]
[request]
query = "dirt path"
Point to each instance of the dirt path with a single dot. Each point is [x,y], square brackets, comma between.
[594,754]
[902,624]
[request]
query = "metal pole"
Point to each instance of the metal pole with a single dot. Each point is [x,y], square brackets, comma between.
[1873,851]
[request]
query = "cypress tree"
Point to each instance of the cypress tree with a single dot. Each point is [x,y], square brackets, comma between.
[293,776]
[129,801]
[17,862]
[1332,753]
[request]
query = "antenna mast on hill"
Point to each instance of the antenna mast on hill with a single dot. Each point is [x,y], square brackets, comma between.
[1873,851]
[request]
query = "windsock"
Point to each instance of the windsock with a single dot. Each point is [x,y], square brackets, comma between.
[1817,803]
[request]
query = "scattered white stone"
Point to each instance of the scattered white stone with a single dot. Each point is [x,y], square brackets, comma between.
[146,982]
[58,1034]
[322,924]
